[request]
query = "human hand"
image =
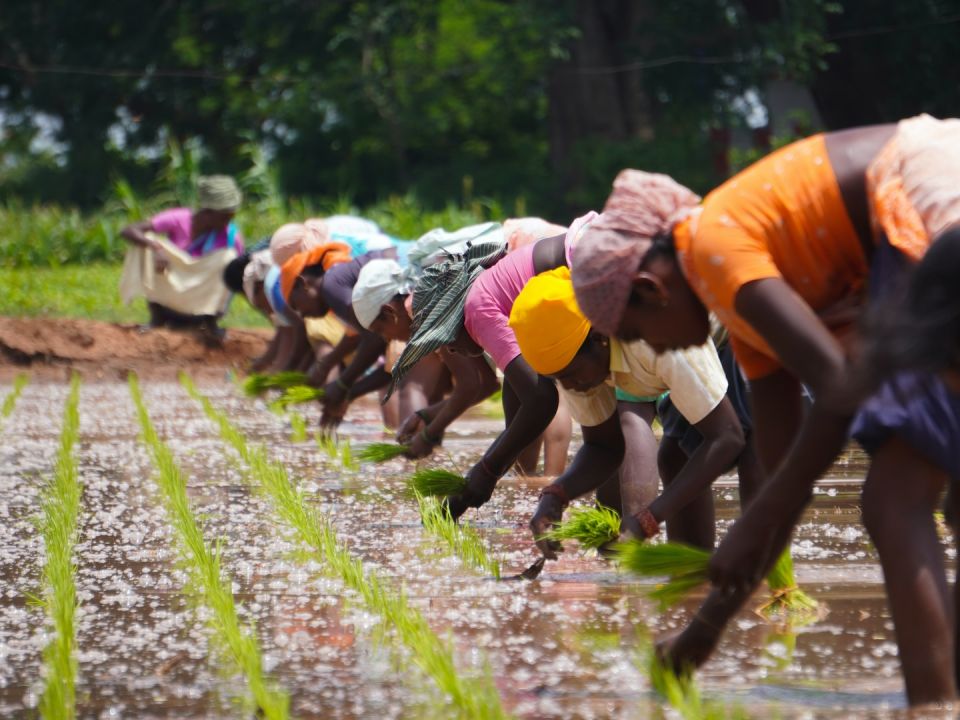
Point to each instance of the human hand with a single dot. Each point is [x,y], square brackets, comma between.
[334,394]
[419,445]
[331,417]
[480,486]
[743,556]
[689,649]
[549,512]
[410,427]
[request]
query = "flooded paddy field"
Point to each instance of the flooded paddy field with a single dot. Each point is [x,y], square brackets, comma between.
[570,644]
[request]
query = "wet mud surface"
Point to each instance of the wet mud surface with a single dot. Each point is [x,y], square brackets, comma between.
[568,645]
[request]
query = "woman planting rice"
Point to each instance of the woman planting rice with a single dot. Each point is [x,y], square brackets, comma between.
[557,341]
[178,257]
[784,240]
[465,304]
[382,303]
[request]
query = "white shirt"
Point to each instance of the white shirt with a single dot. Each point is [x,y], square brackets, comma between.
[693,376]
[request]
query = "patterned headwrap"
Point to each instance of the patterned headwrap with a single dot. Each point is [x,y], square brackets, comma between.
[327,255]
[438,301]
[605,260]
[218,192]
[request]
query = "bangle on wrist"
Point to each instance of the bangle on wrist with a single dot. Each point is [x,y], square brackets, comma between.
[422,414]
[648,523]
[557,491]
[486,468]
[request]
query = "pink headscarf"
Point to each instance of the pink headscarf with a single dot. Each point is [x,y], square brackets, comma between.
[608,255]
[293,238]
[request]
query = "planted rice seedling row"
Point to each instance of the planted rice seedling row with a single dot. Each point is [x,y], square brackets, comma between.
[203,563]
[10,401]
[462,540]
[476,698]
[58,523]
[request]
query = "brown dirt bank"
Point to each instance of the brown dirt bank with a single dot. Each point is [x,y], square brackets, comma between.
[50,347]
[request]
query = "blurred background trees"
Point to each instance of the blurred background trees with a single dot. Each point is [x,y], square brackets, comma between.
[532,104]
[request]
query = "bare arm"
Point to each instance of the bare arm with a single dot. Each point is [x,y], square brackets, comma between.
[136,233]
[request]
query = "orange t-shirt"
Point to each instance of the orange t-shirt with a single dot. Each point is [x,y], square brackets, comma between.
[783,217]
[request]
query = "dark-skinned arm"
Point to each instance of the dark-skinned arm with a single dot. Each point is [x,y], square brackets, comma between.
[136,233]
[596,460]
[371,347]
[722,444]
[538,404]
[322,367]
[473,381]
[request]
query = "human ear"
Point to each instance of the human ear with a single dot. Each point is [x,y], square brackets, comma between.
[648,289]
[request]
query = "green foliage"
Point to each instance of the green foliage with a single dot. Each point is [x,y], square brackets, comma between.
[477,698]
[88,291]
[437,482]
[204,564]
[686,567]
[258,383]
[296,395]
[381,452]
[462,540]
[592,527]
[58,523]
[10,401]
[298,428]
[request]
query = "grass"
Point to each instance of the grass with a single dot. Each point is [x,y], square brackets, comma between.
[381,452]
[474,698]
[788,601]
[204,565]
[90,292]
[462,540]
[298,428]
[296,395]
[685,565]
[592,527]
[256,384]
[437,482]
[10,401]
[60,512]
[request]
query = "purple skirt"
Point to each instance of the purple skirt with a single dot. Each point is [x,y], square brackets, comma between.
[921,411]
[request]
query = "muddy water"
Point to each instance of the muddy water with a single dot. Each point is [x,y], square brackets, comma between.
[567,645]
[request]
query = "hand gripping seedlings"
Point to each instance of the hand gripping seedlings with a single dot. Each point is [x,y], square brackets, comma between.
[437,482]
[257,383]
[296,395]
[592,527]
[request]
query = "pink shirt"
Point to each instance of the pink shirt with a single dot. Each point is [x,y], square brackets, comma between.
[490,298]
[176,224]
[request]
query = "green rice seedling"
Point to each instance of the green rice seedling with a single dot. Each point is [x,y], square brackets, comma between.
[788,601]
[463,540]
[592,527]
[10,401]
[204,565]
[437,482]
[327,445]
[296,395]
[58,524]
[685,565]
[346,455]
[258,383]
[381,452]
[476,698]
[298,428]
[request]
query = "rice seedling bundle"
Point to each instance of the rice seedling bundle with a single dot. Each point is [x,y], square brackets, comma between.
[686,567]
[295,395]
[788,600]
[381,452]
[437,482]
[592,527]
[462,540]
[258,383]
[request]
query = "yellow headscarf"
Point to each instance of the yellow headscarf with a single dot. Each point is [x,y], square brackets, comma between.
[547,321]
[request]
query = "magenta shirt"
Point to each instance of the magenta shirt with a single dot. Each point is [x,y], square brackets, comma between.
[486,314]
[176,225]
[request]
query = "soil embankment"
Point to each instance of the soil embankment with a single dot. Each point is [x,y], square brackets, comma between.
[51,347]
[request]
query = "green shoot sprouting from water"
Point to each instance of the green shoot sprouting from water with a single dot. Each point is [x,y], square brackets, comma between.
[257,383]
[437,482]
[463,540]
[476,698]
[788,601]
[381,452]
[10,401]
[346,455]
[686,567]
[58,523]
[298,428]
[592,527]
[296,395]
[203,563]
